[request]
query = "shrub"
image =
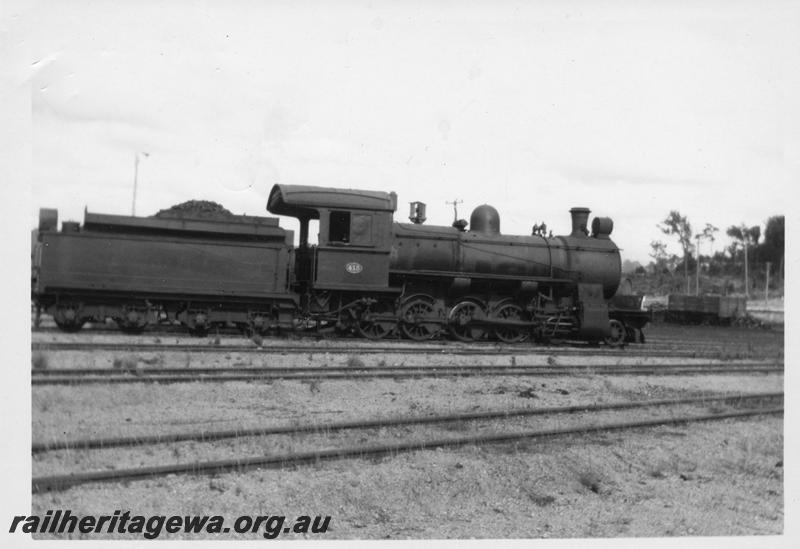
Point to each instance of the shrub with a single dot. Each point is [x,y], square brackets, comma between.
[590,479]
[39,361]
[354,362]
[127,363]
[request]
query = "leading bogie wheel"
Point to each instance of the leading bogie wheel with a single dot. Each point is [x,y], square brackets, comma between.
[617,336]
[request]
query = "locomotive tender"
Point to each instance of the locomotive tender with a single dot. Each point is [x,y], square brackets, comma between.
[366,275]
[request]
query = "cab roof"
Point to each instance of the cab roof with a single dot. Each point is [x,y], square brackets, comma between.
[306,201]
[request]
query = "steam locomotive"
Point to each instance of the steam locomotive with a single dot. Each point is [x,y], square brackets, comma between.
[366,275]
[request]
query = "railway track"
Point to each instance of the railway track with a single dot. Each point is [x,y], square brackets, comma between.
[49,327]
[761,404]
[81,376]
[474,349]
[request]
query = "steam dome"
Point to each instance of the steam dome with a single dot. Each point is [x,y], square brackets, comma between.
[485,219]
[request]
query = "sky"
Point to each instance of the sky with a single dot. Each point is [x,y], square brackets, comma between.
[631,109]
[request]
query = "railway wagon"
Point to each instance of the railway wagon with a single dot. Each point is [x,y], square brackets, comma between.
[705,309]
[200,271]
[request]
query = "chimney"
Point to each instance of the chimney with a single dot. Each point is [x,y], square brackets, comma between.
[580,222]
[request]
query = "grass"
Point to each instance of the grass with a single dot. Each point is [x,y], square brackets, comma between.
[590,480]
[458,426]
[39,361]
[657,471]
[354,362]
[127,363]
[542,501]
[748,461]
[158,359]
[673,465]
[313,384]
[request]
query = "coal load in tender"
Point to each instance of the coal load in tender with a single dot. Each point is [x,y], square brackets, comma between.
[195,209]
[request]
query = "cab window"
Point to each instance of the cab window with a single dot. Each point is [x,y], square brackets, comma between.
[339,227]
[361,230]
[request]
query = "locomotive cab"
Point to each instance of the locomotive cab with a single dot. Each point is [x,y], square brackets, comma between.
[354,227]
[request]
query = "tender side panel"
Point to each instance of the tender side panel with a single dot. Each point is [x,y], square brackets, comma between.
[94,262]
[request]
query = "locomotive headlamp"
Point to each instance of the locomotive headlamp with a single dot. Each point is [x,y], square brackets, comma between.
[602,227]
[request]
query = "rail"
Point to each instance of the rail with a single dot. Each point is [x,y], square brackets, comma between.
[63,481]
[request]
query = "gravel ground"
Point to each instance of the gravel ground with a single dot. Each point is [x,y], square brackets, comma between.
[62,412]
[722,478]
[142,361]
[719,478]
[63,462]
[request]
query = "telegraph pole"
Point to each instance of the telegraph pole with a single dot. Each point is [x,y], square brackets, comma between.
[746,283]
[697,283]
[766,286]
[136,178]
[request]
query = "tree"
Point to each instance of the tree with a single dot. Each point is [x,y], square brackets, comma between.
[629,266]
[745,235]
[748,237]
[707,234]
[677,225]
[772,249]
[659,255]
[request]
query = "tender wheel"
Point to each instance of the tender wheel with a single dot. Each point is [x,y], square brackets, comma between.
[509,311]
[414,325]
[617,337]
[196,321]
[258,324]
[375,322]
[460,319]
[133,322]
[68,319]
